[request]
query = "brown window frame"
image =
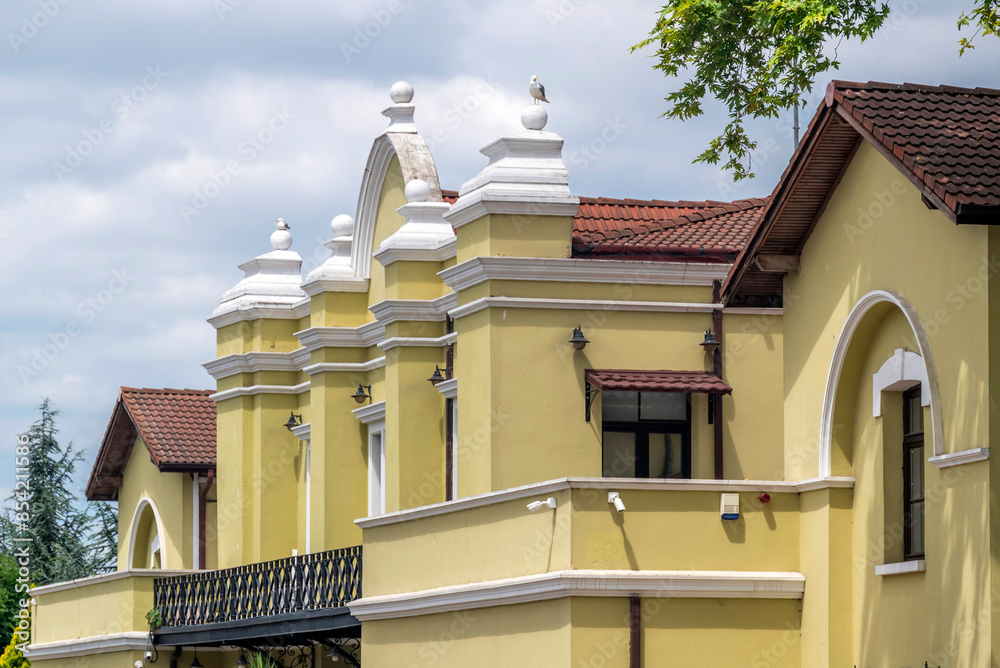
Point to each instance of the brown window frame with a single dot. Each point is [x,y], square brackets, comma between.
[642,430]
[912,441]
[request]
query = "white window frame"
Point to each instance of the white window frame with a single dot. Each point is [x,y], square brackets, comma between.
[449,390]
[373,415]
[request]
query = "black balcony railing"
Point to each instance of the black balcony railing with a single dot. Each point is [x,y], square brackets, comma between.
[315,581]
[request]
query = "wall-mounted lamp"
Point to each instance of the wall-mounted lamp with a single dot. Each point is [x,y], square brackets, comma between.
[195,663]
[616,499]
[437,376]
[710,344]
[293,421]
[578,340]
[360,394]
[538,505]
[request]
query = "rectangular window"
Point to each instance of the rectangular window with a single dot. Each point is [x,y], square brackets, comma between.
[913,475]
[376,469]
[646,435]
[451,453]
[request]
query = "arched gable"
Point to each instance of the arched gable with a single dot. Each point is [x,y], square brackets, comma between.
[146,513]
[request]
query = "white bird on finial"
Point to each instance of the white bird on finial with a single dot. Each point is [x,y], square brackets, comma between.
[281,238]
[536,89]
[282,225]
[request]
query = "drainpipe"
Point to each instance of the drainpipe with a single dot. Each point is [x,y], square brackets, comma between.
[202,503]
[635,632]
[717,370]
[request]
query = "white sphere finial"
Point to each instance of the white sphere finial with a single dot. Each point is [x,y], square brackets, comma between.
[401,92]
[342,226]
[417,190]
[534,117]
[281,238]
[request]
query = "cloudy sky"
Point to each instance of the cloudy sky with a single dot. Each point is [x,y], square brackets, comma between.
[119,119]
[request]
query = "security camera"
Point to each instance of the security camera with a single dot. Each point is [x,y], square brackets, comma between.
[138,664]
[614,498]
[149,655]
[538,505]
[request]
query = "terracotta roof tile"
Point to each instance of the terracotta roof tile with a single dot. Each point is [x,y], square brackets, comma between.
[178,426]
[657,381]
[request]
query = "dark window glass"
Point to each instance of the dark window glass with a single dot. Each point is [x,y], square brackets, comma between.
[646,435]
[913,475]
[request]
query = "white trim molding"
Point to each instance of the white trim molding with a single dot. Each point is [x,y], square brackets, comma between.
[230,365]
[448,388]
[901,567]
[107,577]
[299,309]
[254,390]
[844,339]
[303,432]
[315,286]
[616,484]
[958,458]
[574,270]
[366,335]
[899,373]
[563,584]
[389,311]
[354,367]
[79,647]
[445,251]
[144,502]
[371,413]
[414,342]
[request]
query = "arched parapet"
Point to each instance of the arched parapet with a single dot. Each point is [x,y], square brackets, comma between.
[400,140]
[921,365]
[146,511]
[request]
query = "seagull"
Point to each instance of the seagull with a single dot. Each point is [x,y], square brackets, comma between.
[536,89]
[282,225]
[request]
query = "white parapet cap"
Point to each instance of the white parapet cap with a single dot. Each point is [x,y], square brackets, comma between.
[400,114]
[336,274]
[525,176]
[271,284]
[425,235]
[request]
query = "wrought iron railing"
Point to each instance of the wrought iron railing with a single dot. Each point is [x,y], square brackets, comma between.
[308,582]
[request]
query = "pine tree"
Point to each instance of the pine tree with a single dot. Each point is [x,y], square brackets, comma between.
[56,529]
[8,596]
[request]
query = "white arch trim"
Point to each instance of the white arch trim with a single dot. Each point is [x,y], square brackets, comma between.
[854,319]
[900,372]
[134,528]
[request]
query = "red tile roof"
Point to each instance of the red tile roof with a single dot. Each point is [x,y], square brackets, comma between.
[717,233]
[705,231]
[657,381]
[177,426]
[946,138]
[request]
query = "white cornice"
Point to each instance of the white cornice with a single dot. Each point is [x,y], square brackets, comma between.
[389,311]
[243,312]
[959,458]
[444,251]
[303,432]
[300,358]
[480,269]
[448,388]
[580,304]
[106,577]
[316,286]
[353,367]
[230,365]
[366,335]
[590,583]
[616,484]
[259,389]
[370,413]
[498,204]
[81,647]
[414,342]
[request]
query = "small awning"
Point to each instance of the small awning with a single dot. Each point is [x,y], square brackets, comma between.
[624,380]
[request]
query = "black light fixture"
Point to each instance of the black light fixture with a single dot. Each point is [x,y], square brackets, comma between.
[579,341]
[710,344]
[195,663]
[360,394]
[293,421]
[437,376]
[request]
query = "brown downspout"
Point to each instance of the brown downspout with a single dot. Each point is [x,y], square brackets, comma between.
[449,422]
[635,633]
[717,370]
[202,503]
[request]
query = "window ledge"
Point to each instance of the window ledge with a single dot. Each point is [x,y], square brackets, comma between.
[901,567]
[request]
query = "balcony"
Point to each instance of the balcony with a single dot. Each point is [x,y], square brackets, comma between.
[301,598]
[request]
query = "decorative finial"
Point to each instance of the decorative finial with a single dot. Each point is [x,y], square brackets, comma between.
[401,92]
[281,239]
[537,90]
[417,190]
[342,226]
[534,117]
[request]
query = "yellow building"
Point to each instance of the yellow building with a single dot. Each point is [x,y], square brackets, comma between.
[565,431]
